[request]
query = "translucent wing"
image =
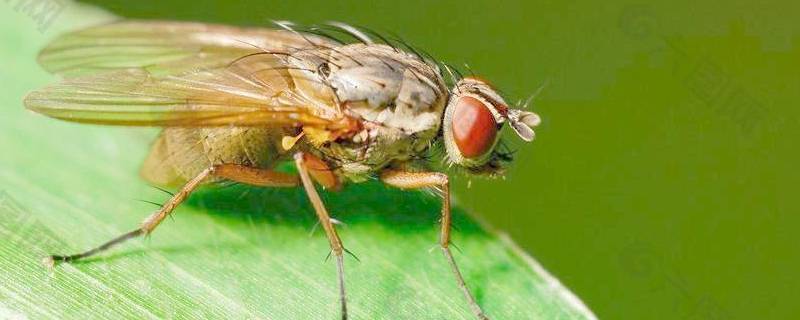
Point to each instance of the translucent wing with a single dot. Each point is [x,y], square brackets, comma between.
[238,86]
[160,46]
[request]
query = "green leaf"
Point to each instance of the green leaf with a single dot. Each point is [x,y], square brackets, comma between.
[234,252]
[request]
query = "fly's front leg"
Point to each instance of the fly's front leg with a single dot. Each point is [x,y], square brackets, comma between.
[242,174]
[417,180]
[309,166]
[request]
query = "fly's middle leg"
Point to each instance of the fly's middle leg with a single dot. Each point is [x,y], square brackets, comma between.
[416,180]
[238,173]
[309,166]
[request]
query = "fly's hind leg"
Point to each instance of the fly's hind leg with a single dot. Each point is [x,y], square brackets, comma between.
[417,180]
[238,173]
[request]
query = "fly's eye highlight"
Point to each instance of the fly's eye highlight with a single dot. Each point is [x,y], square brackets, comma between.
[473,127]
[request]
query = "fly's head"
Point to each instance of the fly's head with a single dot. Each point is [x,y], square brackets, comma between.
[473,118]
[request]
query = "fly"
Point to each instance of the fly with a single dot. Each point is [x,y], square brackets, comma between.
[234,102]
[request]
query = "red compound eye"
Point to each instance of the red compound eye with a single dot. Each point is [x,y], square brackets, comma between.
[474,128]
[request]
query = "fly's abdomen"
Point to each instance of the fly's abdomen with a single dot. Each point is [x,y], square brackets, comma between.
[180,154]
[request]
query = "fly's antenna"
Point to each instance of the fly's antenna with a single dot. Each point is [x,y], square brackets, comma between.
[352,31]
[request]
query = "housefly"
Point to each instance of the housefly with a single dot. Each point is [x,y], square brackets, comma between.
[344,104]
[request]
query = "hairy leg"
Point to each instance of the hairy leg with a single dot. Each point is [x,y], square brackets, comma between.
[417,180]
[243,174]
[303,162]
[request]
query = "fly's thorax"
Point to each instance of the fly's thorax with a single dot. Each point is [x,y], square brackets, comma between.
[375,82]
[398,97]
[389,87]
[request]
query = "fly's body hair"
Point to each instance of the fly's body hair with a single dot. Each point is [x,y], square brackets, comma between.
[322,33]
[353,32]
[407,46]
[362,35]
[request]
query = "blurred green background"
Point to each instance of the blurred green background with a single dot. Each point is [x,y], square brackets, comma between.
[661,184]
